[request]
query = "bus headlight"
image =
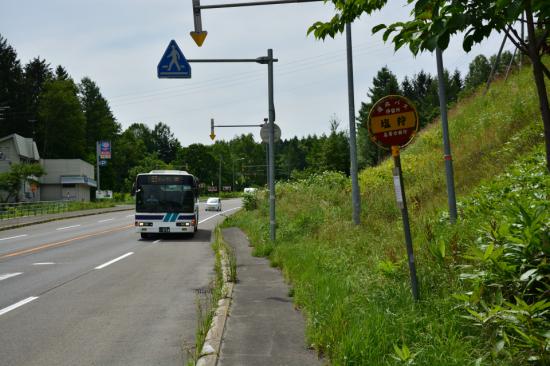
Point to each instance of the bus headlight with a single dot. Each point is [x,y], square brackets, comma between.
[138,223]
[183,224]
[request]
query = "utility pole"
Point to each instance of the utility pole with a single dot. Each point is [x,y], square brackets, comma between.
[355,195]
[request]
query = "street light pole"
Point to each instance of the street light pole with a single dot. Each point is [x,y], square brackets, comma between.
[271,105]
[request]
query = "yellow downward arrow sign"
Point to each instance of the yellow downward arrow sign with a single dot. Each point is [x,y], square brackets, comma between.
[199,37]
[212,136]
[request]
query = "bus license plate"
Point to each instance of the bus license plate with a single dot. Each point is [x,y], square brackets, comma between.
[164,229]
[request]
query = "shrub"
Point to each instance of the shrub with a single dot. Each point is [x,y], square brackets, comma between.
[250,201]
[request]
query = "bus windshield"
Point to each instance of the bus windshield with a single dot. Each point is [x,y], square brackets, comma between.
[163,196]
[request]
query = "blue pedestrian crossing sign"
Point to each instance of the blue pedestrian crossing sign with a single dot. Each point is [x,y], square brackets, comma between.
[173,63]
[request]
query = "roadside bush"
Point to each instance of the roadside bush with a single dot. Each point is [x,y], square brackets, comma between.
[507,274]
[250,201]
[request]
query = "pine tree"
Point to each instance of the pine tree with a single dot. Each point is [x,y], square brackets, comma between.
[478,73]
[63,125]
[100,121]
[12,111]
[37,73]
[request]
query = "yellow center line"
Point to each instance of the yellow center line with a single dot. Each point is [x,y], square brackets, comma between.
[63,242]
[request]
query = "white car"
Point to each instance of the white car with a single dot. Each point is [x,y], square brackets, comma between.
[213,204]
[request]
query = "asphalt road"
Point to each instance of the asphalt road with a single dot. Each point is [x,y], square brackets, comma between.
[89,291]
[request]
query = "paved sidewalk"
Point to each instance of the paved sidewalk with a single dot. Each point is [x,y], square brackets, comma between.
[31,220]
[263,327]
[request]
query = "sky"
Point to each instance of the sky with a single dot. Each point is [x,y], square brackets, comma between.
[118,44]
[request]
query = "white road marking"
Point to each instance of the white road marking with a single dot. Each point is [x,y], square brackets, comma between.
[5,276]
[14,237]
[114,260]
[156,241]
[111,219]
[218,214]
[17,304]
[42,263]
[67,227]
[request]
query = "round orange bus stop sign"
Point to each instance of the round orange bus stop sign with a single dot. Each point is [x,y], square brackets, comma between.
[393,121]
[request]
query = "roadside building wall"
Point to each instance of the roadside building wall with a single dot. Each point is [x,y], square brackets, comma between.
[67,179]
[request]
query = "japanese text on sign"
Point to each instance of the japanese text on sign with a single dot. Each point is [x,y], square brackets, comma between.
[393,121]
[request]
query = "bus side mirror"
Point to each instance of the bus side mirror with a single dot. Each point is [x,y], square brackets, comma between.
[134,189]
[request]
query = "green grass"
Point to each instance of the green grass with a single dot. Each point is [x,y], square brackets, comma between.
[206,303]
[352,282]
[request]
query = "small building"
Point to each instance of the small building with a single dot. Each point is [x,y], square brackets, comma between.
[16,149]
[66,179]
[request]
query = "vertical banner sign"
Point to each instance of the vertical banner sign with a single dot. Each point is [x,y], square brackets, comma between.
[104,150]
[393,123]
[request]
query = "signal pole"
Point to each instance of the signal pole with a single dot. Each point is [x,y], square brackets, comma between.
[199,36]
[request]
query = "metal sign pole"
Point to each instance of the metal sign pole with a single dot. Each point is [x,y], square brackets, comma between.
[402,203]
[97,162]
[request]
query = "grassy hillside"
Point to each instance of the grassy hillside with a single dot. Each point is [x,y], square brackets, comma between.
[352,282]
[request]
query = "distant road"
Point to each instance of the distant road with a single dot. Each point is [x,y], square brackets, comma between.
[89,291]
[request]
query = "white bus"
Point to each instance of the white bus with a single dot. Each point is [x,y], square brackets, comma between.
[167,201]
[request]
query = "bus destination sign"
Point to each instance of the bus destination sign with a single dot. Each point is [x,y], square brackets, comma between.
[393,121]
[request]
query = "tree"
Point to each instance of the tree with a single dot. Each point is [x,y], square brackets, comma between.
[12,181]
[165,144]
[62,122]
[455,87]
[198,160]
[100,122]
[142,132]
[128,152]
[149,162]
[61,73]
[434,22]
[335,149]
[478,72]
[11,76]
[36,73]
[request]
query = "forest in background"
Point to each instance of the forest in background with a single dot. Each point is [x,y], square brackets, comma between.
[66,117]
